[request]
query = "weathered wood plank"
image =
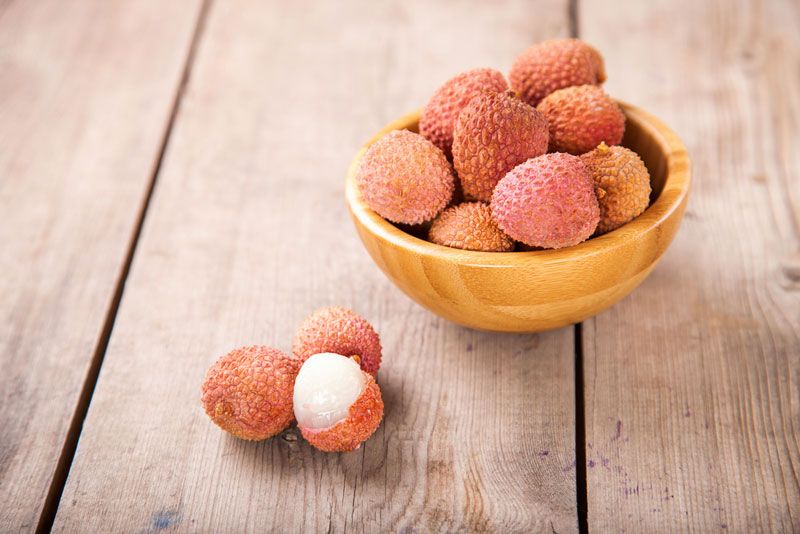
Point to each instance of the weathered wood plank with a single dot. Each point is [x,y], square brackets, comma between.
[693,383]
[248,232]
[86,90]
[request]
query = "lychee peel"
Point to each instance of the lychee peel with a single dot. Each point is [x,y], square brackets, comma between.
[405,178]
[547,202]
[581,118]
[333,417]
[551,65]
[248,392]
[493,134]
[341,331]
[469,226]
[438,117]
[622,184]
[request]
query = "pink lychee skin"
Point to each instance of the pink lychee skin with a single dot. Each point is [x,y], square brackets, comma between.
[341,331]
[555,64]
[493,134]
[438,118]
[547,202]
[248,392]
[405,178]
[582,117]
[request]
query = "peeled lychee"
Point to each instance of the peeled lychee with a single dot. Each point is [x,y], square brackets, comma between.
[337,405]
[581,118]
[438,117]
[405,178]
[493,134]
[547,202]
[551,65]
[469,226]
[341,331]
[621,182]
[248,392]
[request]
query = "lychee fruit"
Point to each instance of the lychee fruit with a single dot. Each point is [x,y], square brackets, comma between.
[621,182]
[547,202]
[581,118]
[438,117]
[493,134]
[404,178]
[469,226]
[248,392]
[342,331]
[337,405]
[555,64]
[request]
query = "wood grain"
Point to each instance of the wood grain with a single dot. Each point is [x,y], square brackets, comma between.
[693,382]
[540,290]
[84,103]
[248,232]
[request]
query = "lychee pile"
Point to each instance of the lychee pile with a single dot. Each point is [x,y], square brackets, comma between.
[327,384]
[496,170]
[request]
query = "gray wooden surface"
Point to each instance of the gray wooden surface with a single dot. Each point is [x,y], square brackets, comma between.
[693,383]
[688,399]
[84,105]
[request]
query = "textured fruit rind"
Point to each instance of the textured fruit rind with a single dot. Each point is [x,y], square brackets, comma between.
[248,392]
[341,331]
[581,118]
[547,202]
[364,417]
[404,178]
[555,64]
[438,117]
[469,226]
[493,134]
[622,184]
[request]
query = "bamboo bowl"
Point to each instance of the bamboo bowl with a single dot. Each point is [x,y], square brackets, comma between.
[539,290]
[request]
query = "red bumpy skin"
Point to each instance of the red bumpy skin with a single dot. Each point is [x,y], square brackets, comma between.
[621,182]
[404,178]
[493,134]
[469,226]
[551,65]
[364,417]
[248,392]
[547,202]
[438,117]
[581,118]
[341,331]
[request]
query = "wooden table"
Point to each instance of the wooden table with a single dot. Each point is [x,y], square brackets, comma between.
[171,186]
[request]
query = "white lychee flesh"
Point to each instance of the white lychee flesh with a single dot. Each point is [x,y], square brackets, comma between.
[325,388]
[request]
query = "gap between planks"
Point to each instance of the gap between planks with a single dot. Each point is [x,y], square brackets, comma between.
[581,483]
[64,463]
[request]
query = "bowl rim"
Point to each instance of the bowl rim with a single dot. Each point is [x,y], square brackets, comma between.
[677,179]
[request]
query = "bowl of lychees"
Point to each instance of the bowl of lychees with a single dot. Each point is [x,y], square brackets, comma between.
[521,203]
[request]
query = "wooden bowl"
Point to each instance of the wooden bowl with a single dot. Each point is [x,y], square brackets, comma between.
[539,290]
